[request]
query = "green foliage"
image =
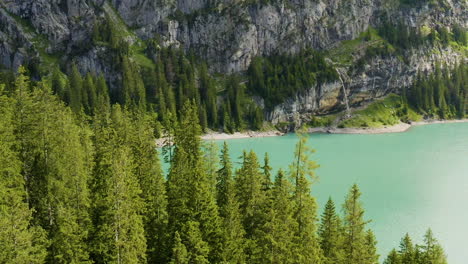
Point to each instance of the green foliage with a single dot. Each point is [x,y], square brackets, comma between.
[460,35]
[442,93]
[190,194]
[429,252]
[55,163]
[119,235]
[253,204]
[302,172]
[80,189]
[388,111]
[401,36]
[19,241]
[179,252]
[330,234]
[321,121]
[229,211]
[279,241]
[279,77]
[359,245]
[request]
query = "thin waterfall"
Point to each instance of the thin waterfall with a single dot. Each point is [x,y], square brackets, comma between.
[345,93]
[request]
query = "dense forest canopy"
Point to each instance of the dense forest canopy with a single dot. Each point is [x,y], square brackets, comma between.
[90,189]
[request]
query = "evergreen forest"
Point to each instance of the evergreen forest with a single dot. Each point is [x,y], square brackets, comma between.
[149,77]
[81,182]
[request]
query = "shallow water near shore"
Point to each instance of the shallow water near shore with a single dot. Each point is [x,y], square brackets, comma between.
[410,181]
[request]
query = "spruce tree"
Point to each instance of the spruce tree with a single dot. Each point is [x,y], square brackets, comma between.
[370,249]
[393,258]
[357,244]
[407,250]
[53,150]
[211,163]
[179,252]
[190,195]
[302,171]
[76,89]
[330,234]
[267,172]
[223,177]
[278,242]
[151,180]
[20,242]
[89,88]
[432,251]
[229,211]
[119,235]
[253,201]
[102,96]
[197,248]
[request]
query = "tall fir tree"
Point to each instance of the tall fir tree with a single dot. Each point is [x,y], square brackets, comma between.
[407,250]
[56,170]
[302,172]
[330,234]
[179,252]
[197,249]
[267,172]
[190,196]
[20,242]
[119,235]
[357,246]
[75,89]
[432,251]
[253,201]
[151,180]
[229,211]
[278,241]
[393,258]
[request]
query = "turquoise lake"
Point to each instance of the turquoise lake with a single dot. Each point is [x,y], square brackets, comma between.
[410,181]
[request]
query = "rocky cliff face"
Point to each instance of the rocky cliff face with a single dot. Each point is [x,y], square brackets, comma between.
[378,78]
[228,34]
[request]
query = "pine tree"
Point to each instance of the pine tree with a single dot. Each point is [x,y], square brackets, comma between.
[330,234]
[190,194]
[132,93]
[357,244]
[267,172]
[89,88]
[407,250]
[76,89]
[19,241]
[151,180]
[301,171]
[432,251]
[102,96]
[278,243]
[223,177]
[59,84]
[253,204]
[119,235]
[370,249]
[229,211]
[179,252]
[393,258]
[56,170]
[197,248]
[211,163]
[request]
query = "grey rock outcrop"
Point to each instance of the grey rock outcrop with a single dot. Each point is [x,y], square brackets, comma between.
[228,34]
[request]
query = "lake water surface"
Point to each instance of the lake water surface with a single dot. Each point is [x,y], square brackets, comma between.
[410,181]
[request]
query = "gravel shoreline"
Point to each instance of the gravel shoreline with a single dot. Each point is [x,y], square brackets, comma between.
[398,128]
